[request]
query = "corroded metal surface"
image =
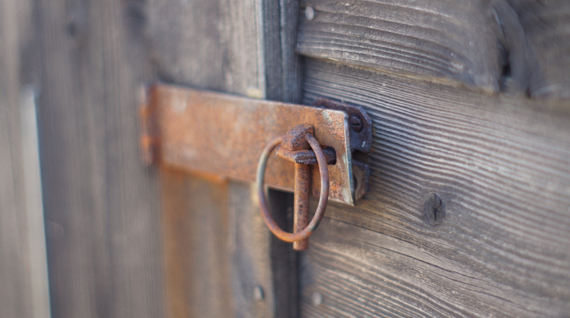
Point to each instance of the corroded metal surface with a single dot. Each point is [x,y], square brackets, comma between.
[306,157]
[360,123]
[301,204]
[302,231]
[294,141]
[224,135]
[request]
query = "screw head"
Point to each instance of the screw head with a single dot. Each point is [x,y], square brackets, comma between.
[258,293]
[434,209]
[355,123]
[309,13]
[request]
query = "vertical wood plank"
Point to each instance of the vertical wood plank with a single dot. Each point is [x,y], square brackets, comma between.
[101,203]
[283,65]
[35,225]
[238,42]
[14,294]
[249,247]
[196,245]
[23,292]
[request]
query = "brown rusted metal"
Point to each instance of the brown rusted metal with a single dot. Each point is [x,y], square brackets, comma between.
[223,134]
[292,143]
[359,122]
[306,157]
[360,140]
[301,228]
[301,204]
[294,139]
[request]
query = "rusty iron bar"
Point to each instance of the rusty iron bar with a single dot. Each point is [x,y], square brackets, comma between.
[306,156]
[298,138]
[221,136]
[293,144]
[301,204]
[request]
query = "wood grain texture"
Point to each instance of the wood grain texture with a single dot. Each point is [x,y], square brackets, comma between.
[217,250]
[443,40]
[284,260]
[249,247]
[245,48]
[101,203]
[502,168]
[283,66]
[196,246]
[209,44]
[546,25]
[23,267]
[519,47]
[35,226]
[15,292]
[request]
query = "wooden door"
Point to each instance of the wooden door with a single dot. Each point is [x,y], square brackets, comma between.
[468,212]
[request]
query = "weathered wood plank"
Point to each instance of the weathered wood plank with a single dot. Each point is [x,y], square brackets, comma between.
[14,290]
[196,246]
[514,46]
[246,48]
[502,168]
[284,260]
[23,266]
[35,226]
[101,203]
[443,40]
[283,66]
[546,25]
[209,44]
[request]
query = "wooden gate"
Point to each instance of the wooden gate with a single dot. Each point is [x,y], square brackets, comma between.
[468,212]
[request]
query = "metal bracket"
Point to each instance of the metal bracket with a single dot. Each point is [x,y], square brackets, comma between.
[223,135]
[359,122]
[360,139]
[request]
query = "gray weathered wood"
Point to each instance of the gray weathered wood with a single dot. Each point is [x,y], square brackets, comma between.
[282,64]
[34,214]
[101,203]
[23,267]
[209,44]
[284,260]
[454,41]
[502,168]
[514,46]
[546,25]
[14,290]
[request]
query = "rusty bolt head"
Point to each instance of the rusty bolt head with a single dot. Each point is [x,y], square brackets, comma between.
[434,209]
[355,123]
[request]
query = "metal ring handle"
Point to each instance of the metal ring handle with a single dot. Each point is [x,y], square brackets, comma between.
[323,199]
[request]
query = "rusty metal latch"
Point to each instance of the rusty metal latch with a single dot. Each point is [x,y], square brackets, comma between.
[224,135]
[297,139]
